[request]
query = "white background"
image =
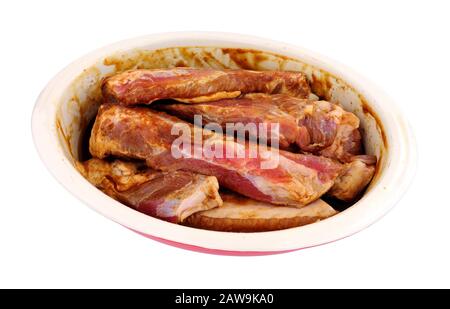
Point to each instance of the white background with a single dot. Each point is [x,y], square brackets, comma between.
[50,239]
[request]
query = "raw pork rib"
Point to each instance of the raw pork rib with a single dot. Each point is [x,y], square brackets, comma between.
[319,127]
[241,214]
[171,196]
[199,85]
[293,179]
[354,178]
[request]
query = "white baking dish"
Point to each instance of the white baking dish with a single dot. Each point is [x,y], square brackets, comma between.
[71,98]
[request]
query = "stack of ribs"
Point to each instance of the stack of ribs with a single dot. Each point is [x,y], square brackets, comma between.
[133,144]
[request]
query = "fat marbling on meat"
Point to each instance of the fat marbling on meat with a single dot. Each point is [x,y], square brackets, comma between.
[171,196]
[141,133]
[193,85]
[317,127]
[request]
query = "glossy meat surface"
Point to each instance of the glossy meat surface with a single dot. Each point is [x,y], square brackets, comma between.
[354,178]
[141,133]
[241,214]
[199,85]
[171,196]
[318,127]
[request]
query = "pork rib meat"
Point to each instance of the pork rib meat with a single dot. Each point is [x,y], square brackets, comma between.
[192,85]
[171,196]
[292,179]
[241,214]
[318,127]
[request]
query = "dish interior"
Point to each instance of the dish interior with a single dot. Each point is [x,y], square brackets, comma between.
[81,99]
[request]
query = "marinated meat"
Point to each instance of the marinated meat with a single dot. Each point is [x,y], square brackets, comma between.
[241,214]
[199,85]
[354,178]
[171,196]
[292,179]
[318,127]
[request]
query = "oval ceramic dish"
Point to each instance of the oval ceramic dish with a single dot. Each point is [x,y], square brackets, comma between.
[70,101]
